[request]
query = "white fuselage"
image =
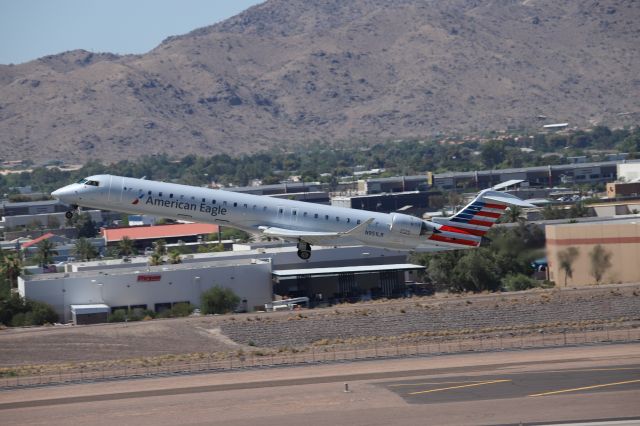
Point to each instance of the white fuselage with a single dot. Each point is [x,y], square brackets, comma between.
[247,212]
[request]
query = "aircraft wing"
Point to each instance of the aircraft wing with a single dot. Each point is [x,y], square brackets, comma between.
[314,237]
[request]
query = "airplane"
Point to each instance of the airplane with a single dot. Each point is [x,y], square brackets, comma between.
[307,224]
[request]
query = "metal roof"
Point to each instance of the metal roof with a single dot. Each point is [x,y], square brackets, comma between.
[90,309]
[292,273]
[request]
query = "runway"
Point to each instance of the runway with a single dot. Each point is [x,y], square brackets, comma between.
[530,387]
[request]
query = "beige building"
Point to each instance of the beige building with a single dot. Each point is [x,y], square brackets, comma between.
[618,240]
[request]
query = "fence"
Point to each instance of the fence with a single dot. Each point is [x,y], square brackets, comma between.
[321,354]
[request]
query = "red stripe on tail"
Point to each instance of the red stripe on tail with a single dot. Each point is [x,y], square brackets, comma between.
[468,231]
[442,238]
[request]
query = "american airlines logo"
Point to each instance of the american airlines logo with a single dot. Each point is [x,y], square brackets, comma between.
[137,200]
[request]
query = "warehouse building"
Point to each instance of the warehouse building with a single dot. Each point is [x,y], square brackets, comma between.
[155,288]
[250,273]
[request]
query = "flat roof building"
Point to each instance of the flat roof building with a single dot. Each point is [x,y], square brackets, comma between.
[608,250]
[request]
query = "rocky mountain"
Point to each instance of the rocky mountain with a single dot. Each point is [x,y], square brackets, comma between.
[297,72]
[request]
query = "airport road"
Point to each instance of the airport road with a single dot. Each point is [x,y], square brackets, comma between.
[533,386]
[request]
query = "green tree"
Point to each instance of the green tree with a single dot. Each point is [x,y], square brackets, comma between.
[160,247]
[126,246]
[11,268]
[84,249]
[600,261]
[566,258]
[218,300]
[174,257]
[492,153]
[45,252]
[155,259]
[513,215]
[87,228]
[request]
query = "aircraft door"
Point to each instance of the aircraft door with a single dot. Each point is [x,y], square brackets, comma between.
[115,189]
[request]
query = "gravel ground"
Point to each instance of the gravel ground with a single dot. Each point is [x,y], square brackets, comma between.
[415,319]
[424,318]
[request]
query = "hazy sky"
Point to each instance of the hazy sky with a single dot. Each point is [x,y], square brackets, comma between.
[30,29]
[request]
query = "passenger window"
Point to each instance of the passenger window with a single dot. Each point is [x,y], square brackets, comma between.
[235,204]
[337,219]
[213,201]
[326,217]
[304,214]
[159,194]
[294,212]
[224,203]
[348,220]
[170,195]
[280,211]
[203,200]
[315,216]
[358,222]
[149,193]
[264,209]
[245,206]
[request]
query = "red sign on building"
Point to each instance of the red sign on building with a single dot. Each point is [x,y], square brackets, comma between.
[149,277]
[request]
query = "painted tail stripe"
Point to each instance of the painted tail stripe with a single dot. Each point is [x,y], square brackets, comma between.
[480,222]
[441,238]
[470,231]
[489,214]
[495,206]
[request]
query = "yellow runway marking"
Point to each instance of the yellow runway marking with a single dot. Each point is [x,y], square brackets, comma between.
[462,386]
[435,383]
[585,388]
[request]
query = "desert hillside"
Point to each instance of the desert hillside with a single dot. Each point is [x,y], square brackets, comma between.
[298,72]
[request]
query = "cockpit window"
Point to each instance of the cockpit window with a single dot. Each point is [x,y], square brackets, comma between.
[89,182]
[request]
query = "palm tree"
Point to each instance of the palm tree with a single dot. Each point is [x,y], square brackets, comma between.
[160,247]
[513,214]
[84,249]
[174,257]
[45,253]
[11,268]
[126,246]
[155,259]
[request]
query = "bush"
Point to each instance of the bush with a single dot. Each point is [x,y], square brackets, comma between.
[218,300]
[41,313]
[181,310]
[518,282]
[119,315]
[19,312]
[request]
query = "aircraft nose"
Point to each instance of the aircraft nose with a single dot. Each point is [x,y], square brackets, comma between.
[62,193]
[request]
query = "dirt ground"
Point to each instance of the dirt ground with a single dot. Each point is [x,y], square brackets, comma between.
[410,320]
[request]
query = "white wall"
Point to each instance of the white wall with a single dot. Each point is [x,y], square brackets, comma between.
[629,171]
[248,280]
